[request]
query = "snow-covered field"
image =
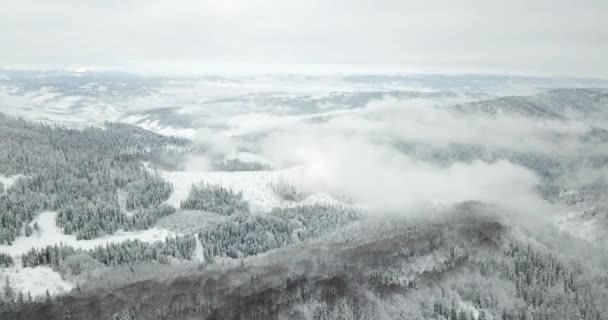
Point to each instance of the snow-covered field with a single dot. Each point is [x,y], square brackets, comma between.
[50,234]
[39,279]
[199,251]
[255,185]
[35,280]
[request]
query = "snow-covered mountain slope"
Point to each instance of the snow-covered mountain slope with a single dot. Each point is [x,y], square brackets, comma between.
[176,106]
[399,151]
[468,263]
[49,235]
[38,280]
[555,104]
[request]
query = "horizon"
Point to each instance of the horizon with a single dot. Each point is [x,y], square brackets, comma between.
[298,72]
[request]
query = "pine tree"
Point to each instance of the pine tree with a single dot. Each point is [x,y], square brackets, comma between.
[20,298]
[453,314]
[28,230]
[462,315]
[9,291]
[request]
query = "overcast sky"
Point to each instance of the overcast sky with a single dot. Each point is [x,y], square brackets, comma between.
[542,37]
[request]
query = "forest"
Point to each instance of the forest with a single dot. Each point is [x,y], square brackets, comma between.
[480,269]
[90,176]
[67,258]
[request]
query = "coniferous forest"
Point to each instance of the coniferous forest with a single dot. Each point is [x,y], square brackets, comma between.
[80,174]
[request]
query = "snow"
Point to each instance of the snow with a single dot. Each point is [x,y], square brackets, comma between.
[50,234]
[157,127]
[199,253]
[574,224]
[41,278]
[322,198]
[35,280]
[255,185]
[9,181]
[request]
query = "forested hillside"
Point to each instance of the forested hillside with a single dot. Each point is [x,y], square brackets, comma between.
[80,173]
[463,266]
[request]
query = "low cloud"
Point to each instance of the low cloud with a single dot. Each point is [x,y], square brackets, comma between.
[214,144]
[197,163]
[353,154]
[381,177]
[440,125]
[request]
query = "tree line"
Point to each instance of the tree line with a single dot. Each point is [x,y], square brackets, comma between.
[112,254]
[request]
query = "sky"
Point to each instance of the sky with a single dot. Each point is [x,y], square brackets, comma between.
[540,37]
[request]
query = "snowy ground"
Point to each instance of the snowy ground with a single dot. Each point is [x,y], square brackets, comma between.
[39,279]
[50,234]
[573,224]
[35,280]
[157,127]
[199,251]
[9,181]
[255,185]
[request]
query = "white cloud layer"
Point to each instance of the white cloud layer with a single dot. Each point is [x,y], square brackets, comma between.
[382,178]
[350,155]
[566,37]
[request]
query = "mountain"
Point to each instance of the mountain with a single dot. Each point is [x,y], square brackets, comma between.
[555,104]
[470,263]
[295,197]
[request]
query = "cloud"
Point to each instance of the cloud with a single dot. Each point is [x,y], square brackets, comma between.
[354,154]
[439,125]
[435,123]
[585,177]
[197,163]
[213,143]
[379,176]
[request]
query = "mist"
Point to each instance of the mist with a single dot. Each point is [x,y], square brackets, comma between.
[383,178]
